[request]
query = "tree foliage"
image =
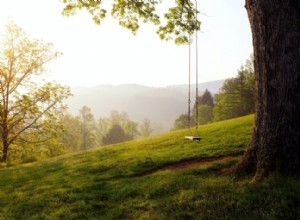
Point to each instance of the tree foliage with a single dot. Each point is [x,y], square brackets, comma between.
[145,128]
[131,130]
[204,106]
[205,99]
[205,114]
[182,122]
[27,108]
[115,135]
[176,23]
[87,128]
[102,127]
[72,135]
[236,97]
[110,126]
[83,132]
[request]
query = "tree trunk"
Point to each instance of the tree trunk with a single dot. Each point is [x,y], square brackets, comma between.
[275,145]
[4,148]
[4,138]
[4,155]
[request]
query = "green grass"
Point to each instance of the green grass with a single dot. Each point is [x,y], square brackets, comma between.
[119,182]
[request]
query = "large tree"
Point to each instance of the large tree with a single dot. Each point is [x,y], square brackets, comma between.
[26,107]
[275,145]
[275,28]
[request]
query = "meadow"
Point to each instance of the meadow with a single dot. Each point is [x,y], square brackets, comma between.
[160,177]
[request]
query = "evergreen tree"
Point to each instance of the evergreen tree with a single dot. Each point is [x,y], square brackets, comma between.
[115,135]
[206,99]
[205,106]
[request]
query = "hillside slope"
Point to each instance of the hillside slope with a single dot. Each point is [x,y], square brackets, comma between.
[161,177]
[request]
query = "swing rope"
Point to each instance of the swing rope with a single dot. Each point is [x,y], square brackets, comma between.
[189,99]
[193,137]
[197,112]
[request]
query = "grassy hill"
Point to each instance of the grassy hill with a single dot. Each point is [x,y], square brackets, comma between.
[161,177]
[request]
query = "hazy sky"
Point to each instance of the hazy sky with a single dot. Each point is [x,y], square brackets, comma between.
[110,54]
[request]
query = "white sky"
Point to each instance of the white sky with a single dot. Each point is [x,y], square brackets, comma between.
[110,54]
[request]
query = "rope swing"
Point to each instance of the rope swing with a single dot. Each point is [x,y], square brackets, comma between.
[194,136]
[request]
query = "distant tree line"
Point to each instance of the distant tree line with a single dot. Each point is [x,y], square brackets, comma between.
[83,131]
[71,133]
[235,99]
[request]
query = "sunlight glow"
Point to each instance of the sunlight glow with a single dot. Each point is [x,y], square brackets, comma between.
[109,54]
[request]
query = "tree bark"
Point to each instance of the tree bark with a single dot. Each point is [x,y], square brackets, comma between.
[5,146]
[275,145]
[4,133]
[4,154]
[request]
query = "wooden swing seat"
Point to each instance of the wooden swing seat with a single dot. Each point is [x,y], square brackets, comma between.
[193,138]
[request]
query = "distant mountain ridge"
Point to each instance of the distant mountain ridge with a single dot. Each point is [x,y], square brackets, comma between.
[162,105]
